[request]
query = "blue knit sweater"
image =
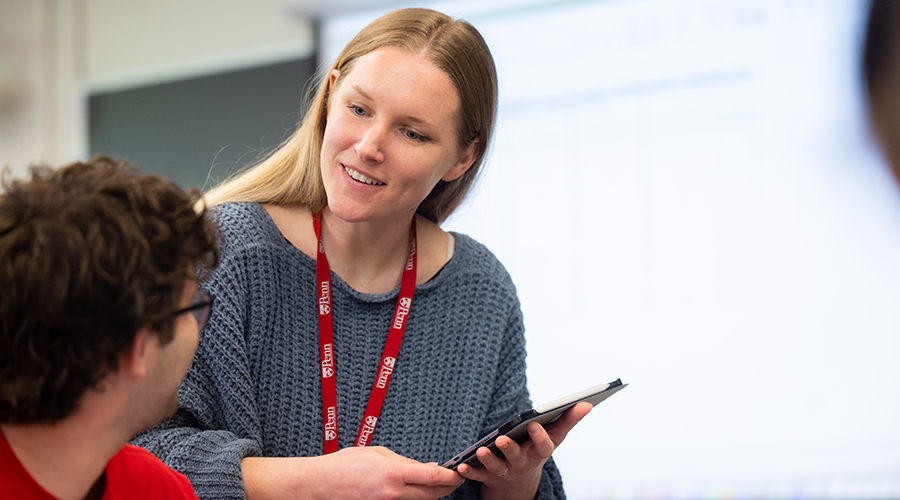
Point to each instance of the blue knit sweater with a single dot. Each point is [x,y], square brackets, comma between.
[254,387]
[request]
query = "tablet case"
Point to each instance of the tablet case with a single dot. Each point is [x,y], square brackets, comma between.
[545,414]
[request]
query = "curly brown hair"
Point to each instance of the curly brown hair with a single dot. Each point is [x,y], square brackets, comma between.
[89,254]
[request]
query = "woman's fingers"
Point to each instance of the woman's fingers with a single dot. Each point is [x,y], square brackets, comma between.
[559,429]
[519,469]
[431,475]
[493,468]
[514,453]
[492,463]
[541,444]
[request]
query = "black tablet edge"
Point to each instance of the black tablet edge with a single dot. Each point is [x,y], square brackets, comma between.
[504,429]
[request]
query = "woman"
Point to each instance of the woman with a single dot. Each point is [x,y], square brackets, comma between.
[302,355]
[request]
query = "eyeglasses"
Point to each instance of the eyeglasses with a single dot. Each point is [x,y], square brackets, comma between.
[200,308]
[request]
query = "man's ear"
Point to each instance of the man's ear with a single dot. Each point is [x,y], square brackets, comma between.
[141,356]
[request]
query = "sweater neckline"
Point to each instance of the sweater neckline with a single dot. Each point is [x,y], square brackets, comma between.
[338,282]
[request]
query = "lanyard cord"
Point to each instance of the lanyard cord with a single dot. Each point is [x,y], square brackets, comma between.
[326,344]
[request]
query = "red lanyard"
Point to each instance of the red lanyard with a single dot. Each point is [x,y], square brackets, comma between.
[326,344]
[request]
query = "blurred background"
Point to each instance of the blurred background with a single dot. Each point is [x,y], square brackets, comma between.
[684,191]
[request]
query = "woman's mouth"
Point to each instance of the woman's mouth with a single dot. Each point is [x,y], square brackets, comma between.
[361,178]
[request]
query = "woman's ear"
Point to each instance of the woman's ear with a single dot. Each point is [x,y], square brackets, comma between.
[464,162]
[332,80]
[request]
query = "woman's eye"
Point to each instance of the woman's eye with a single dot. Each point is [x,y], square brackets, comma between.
[415,136]
[358,111]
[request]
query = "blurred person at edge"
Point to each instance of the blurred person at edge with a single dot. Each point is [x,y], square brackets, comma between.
[298,344]
[881,75]
[99,320]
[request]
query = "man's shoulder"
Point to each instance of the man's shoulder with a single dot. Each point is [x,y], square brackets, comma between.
[137,473]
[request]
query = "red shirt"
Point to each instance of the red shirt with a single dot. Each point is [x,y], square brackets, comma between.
[133,473]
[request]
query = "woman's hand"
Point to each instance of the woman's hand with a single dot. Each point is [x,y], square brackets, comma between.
[372,472]
[518,474]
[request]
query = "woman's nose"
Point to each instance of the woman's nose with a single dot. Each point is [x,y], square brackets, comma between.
[371,146]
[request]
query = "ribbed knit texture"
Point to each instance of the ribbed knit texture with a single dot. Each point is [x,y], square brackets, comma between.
[254,387]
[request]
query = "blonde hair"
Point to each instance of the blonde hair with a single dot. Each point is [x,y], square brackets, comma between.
[292,174]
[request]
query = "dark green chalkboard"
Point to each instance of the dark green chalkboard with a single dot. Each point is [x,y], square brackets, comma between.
[199,130]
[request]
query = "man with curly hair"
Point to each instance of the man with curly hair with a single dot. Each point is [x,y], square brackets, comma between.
[99,320]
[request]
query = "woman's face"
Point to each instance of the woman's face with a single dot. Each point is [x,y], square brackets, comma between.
[391,135]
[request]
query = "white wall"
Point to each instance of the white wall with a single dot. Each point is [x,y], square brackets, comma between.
[686,196]
[145,41]
[40,112]
[54,52]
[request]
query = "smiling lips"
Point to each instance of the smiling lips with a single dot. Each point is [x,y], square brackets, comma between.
[360,177]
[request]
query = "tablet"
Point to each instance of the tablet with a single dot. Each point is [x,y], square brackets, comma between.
[544,414]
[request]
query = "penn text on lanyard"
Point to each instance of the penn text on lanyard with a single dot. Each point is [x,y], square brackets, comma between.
[326,344]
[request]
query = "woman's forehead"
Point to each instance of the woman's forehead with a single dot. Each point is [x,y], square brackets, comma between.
[408,79]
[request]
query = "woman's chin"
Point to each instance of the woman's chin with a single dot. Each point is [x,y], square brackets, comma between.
[351,212]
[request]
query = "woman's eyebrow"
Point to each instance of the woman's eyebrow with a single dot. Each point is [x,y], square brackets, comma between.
[365,95]
[361,91]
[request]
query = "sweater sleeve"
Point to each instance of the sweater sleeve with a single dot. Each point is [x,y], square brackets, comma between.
[512,392]
[217,422]
[510,397]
